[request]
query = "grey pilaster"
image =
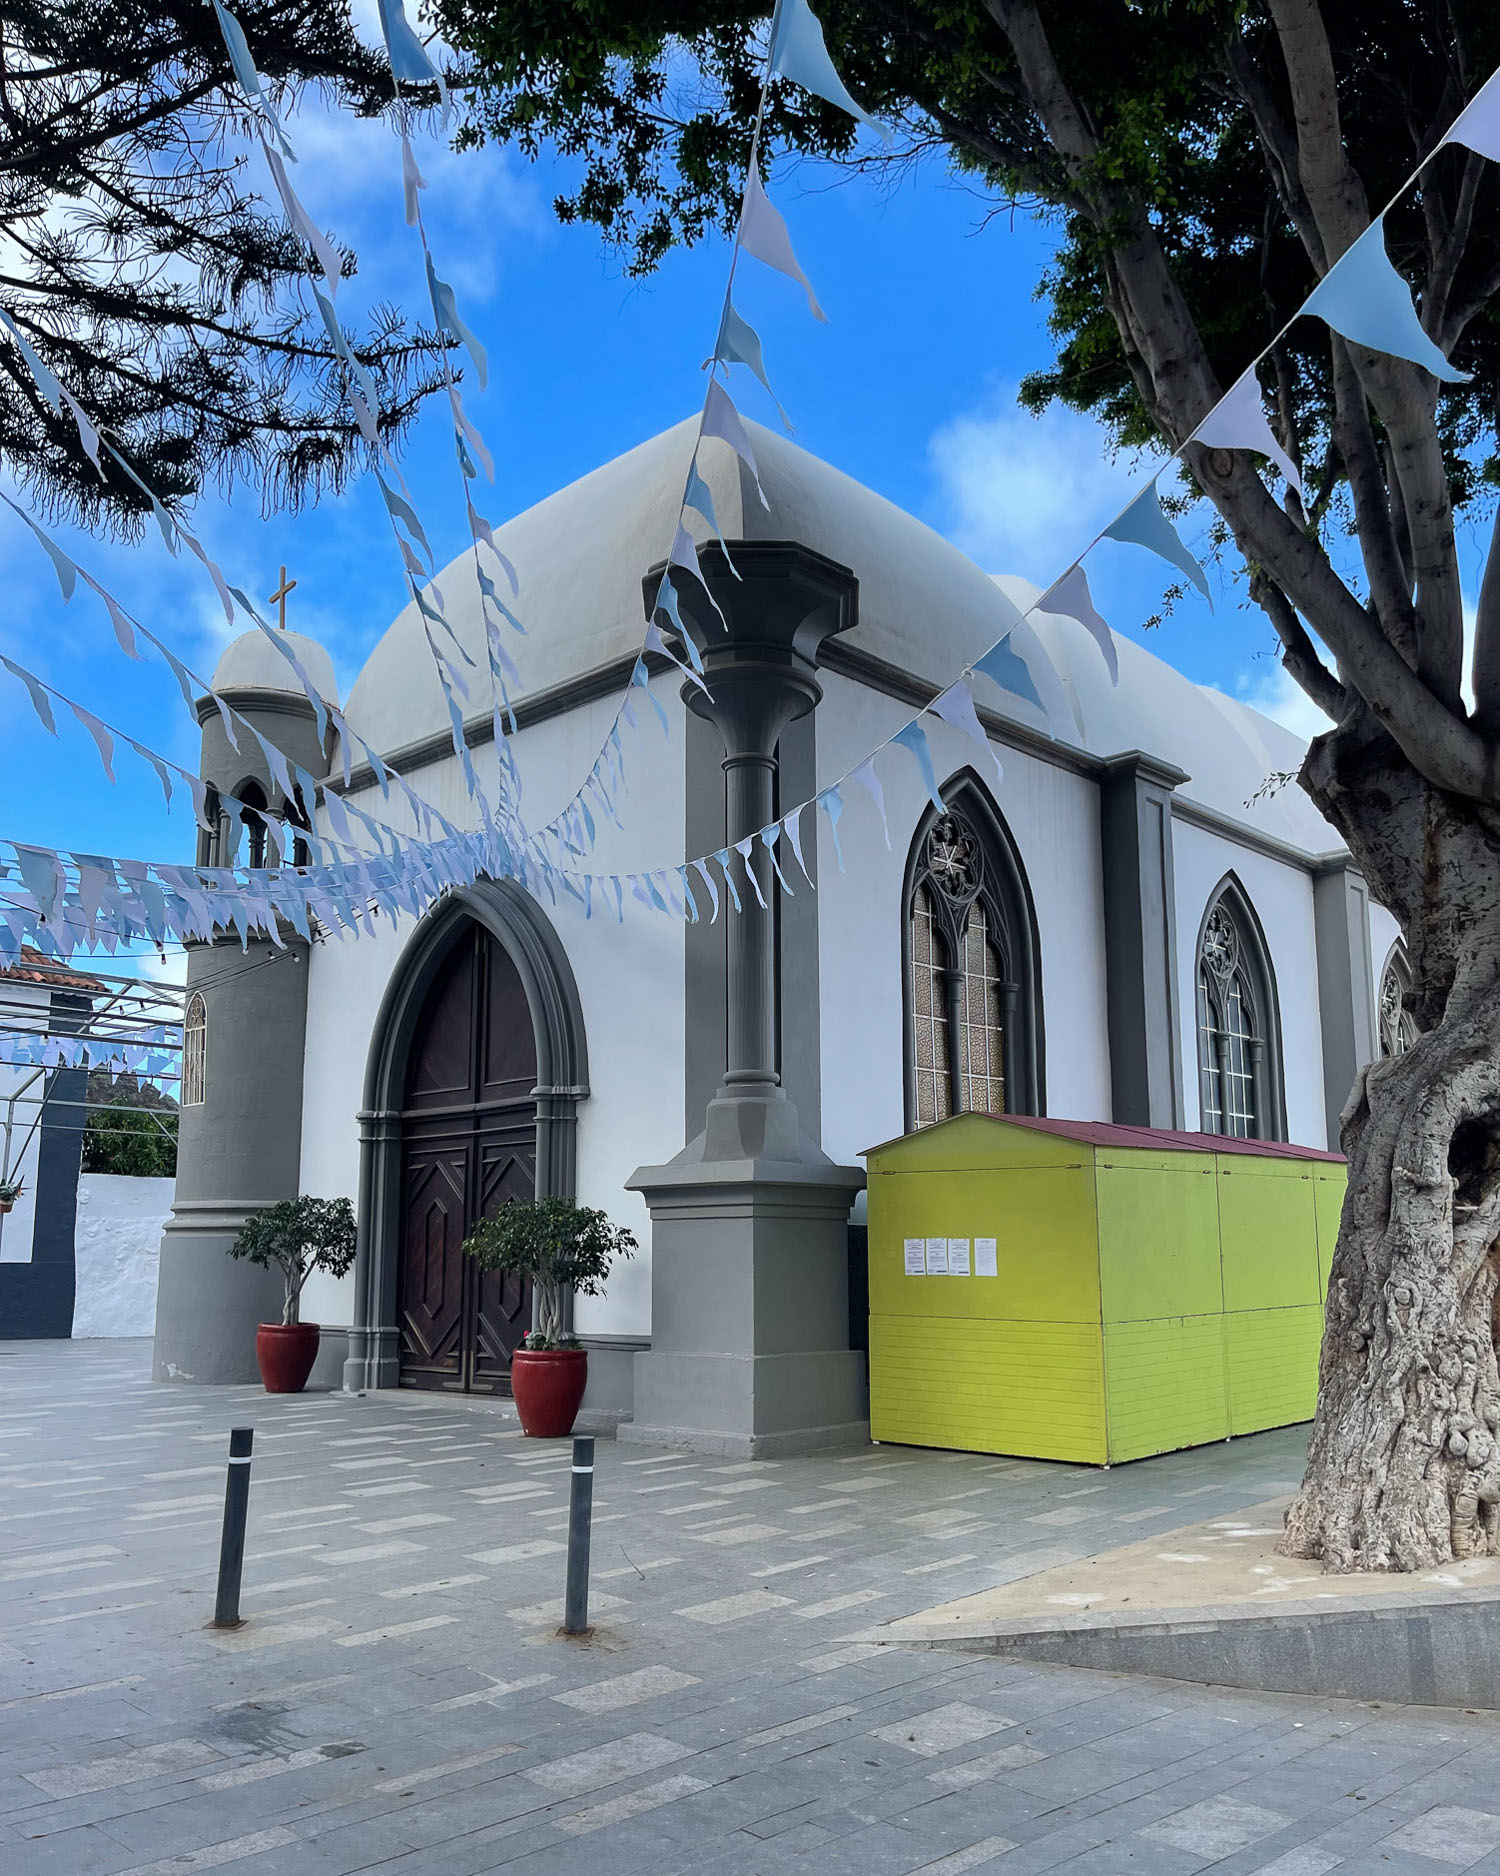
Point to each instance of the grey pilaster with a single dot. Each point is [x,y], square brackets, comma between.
[750,1323]
[1140,926]
[1346,995]
[239,1150]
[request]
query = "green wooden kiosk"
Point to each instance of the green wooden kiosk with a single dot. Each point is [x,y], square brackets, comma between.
[1061,1289]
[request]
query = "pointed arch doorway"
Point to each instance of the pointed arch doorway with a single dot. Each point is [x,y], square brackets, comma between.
[468,1145]
[476,1070]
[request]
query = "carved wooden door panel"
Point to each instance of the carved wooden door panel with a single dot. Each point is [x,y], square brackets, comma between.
[469,1123]
[432,1278]
[504,1168]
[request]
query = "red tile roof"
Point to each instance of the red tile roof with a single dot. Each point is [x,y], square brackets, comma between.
[34,968]
[1105,1133]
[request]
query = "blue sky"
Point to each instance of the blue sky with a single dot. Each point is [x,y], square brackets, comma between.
[909,388]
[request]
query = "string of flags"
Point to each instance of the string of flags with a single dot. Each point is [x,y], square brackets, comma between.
[59,900]
[1362,297]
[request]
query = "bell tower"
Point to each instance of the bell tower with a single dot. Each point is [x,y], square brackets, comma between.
[240,1134]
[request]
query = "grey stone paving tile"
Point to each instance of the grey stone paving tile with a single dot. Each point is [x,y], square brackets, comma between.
[752,1722]
[1452,1834]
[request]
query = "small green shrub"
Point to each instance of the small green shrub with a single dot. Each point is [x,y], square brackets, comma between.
[560,1246]
[301,1236]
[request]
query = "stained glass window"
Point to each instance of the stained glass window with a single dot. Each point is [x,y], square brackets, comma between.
[1398,1029]
[1235,1020]
[982,1052]
[963,997]
[929,1000]
[194,1050]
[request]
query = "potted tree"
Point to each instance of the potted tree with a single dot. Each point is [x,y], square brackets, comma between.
[300,1236]
[561,1247]
[10,1191]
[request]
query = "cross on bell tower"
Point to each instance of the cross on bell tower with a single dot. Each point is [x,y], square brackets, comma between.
[278,598]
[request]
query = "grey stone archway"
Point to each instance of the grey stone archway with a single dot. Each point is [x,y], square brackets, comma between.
[518,924]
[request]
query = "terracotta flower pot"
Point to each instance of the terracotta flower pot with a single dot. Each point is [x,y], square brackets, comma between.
[286,1352]
[5,1206]
[548,1384]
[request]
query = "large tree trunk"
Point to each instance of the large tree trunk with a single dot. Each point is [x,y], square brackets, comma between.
[1403,1468]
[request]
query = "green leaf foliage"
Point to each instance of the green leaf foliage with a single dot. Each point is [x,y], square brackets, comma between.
[557,1246]
[654,104]
[131,1128]
[300,1236]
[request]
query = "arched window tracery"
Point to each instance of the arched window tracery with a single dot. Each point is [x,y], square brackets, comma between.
[972,983]
[1238,1027]
[194,1050]
[1398,1027]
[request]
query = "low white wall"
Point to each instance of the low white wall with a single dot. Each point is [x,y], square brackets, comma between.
[115,1250]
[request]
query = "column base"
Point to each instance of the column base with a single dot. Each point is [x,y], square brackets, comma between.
[750,1352]
[209,1305]
[374,1359]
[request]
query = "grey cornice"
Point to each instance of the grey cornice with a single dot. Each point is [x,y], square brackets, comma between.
[265,702]
[877,674]
[850,661]
[1213,822]
[602,681]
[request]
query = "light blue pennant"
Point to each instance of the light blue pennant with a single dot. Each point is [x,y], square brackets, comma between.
[800,52]
[1364,298]
[914,738]
[1144,524]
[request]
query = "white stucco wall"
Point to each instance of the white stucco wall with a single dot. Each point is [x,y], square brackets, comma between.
[1282,896]
[1053,817]
[115,1248]
[21,1091]
[630,983]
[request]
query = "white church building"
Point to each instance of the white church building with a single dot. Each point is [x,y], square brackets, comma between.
[1128,926]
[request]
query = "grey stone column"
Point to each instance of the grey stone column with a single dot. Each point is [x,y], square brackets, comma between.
[1346,994]
[750,1324]
[1140,936]
[238,1151]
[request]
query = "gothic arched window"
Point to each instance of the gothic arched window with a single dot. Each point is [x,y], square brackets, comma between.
[973,1014]
[194,1050]
[1239,1032]
[1398,1029]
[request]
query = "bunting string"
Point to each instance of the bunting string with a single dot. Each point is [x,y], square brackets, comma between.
[57,900]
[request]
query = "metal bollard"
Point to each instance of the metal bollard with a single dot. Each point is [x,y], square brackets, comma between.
[232,1543]
[580,1519]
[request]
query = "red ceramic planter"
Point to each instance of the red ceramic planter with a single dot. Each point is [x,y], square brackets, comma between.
[548,1384]
[286,1352]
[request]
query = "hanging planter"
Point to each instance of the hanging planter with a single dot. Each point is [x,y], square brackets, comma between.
[10,1191]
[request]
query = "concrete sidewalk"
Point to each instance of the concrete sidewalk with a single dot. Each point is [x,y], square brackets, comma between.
[398,1701]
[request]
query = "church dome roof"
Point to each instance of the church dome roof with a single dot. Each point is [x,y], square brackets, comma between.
[252,662]
[924,607]
[1156,709]
[581,554]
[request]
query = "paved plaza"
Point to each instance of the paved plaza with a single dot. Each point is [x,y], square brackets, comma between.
[399,1701]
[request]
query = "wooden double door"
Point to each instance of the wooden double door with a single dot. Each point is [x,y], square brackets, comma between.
[468,1146]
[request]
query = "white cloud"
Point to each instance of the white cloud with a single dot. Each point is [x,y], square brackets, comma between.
[1272,691]
[1021,493]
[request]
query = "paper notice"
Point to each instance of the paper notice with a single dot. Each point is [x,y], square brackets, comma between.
[916,1257]
[958,1257]
[984,1257]
[937,1257]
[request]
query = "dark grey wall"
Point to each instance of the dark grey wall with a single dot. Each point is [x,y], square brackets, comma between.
[36,1299]
[1140,923]
[705,961]
[1346,995]
[801,1052]
[239,1150]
